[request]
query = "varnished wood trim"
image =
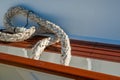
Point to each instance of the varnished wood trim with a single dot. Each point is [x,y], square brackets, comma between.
[95,50]
[51,68]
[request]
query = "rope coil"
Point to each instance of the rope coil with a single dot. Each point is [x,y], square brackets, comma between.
[22,33]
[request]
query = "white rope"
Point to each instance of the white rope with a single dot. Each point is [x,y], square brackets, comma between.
[39,47]
[20,34]
[16,37]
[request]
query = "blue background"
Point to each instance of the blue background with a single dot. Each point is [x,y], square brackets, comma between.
[92,20]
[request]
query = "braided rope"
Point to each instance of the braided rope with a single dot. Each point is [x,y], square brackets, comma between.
[21,36]
[45,26]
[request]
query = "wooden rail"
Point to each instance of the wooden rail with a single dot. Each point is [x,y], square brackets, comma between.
[95,50]
[56,69]
[79,48]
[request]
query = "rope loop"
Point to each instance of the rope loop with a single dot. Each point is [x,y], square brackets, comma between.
[56,34]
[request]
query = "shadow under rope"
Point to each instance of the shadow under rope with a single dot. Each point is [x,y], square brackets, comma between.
[52,18]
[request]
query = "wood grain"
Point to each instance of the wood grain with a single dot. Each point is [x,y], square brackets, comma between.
[56,69]
[80,48]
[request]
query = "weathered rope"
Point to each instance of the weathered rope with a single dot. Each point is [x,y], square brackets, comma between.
[45,27]
[16,37]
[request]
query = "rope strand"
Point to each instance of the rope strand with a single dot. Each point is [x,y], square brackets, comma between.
[44,26]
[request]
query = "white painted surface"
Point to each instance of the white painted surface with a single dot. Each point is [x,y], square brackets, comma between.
[79,62]
[15,73]
[30,75]
[106,67]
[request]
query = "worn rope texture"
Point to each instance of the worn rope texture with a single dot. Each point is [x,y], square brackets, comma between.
[45,27]
[16,37]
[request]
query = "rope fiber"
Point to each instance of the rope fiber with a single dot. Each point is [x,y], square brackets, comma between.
[54,32]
